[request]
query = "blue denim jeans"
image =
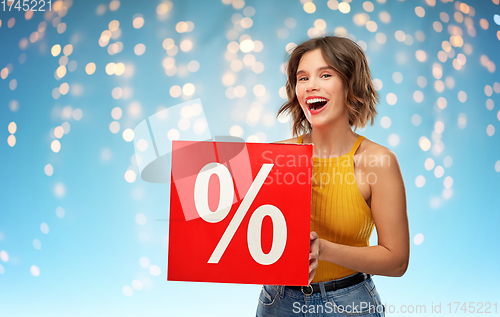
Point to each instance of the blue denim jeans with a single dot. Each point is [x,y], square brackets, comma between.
[361,299]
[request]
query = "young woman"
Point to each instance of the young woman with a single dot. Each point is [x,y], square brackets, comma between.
[357,185]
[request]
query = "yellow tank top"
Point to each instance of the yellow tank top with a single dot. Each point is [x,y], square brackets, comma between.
[339,212]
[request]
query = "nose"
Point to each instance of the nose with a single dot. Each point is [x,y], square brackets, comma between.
[311,85]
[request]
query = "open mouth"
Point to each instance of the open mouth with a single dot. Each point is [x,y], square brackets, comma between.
[316,103]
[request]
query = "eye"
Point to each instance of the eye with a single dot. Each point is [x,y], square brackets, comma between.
[326,75]
[302,78]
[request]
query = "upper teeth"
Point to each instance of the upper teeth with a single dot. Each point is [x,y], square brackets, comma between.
[310,101]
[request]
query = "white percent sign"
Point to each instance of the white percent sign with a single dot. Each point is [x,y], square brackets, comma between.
[226,194]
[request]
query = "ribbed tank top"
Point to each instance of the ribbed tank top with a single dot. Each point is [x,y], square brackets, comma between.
[339,212]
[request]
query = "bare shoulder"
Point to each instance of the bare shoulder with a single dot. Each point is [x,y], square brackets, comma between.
[292,140]
[374,155]
[383,166]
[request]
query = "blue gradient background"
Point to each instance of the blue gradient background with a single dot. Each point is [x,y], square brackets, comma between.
[93,252]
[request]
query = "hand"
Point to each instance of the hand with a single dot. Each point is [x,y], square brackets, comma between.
[313,255]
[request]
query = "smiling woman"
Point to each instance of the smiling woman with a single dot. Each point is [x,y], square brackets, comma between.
[330,91]
[319,84]
[328,57]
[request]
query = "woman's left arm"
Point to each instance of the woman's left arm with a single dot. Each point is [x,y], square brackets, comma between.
[388,205]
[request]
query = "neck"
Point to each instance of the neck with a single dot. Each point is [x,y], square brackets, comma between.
[332,141]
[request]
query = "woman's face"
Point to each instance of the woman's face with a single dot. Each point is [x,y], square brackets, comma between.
[320,90]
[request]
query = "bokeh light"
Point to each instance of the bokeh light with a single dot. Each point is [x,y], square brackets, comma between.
[309,7]
[425,143]
[418,239]
[44,228]
[34,270]
[4,256]
[420,181]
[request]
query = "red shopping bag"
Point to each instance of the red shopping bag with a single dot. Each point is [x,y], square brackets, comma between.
[240,212]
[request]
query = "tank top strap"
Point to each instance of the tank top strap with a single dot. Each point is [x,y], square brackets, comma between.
[356,145]
[299,140]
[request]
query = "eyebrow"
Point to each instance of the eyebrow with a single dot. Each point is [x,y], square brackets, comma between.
[319,69]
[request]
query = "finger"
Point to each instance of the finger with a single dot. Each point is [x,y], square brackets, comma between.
[314,247]
[313,235]
[313,266]
[311,276]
